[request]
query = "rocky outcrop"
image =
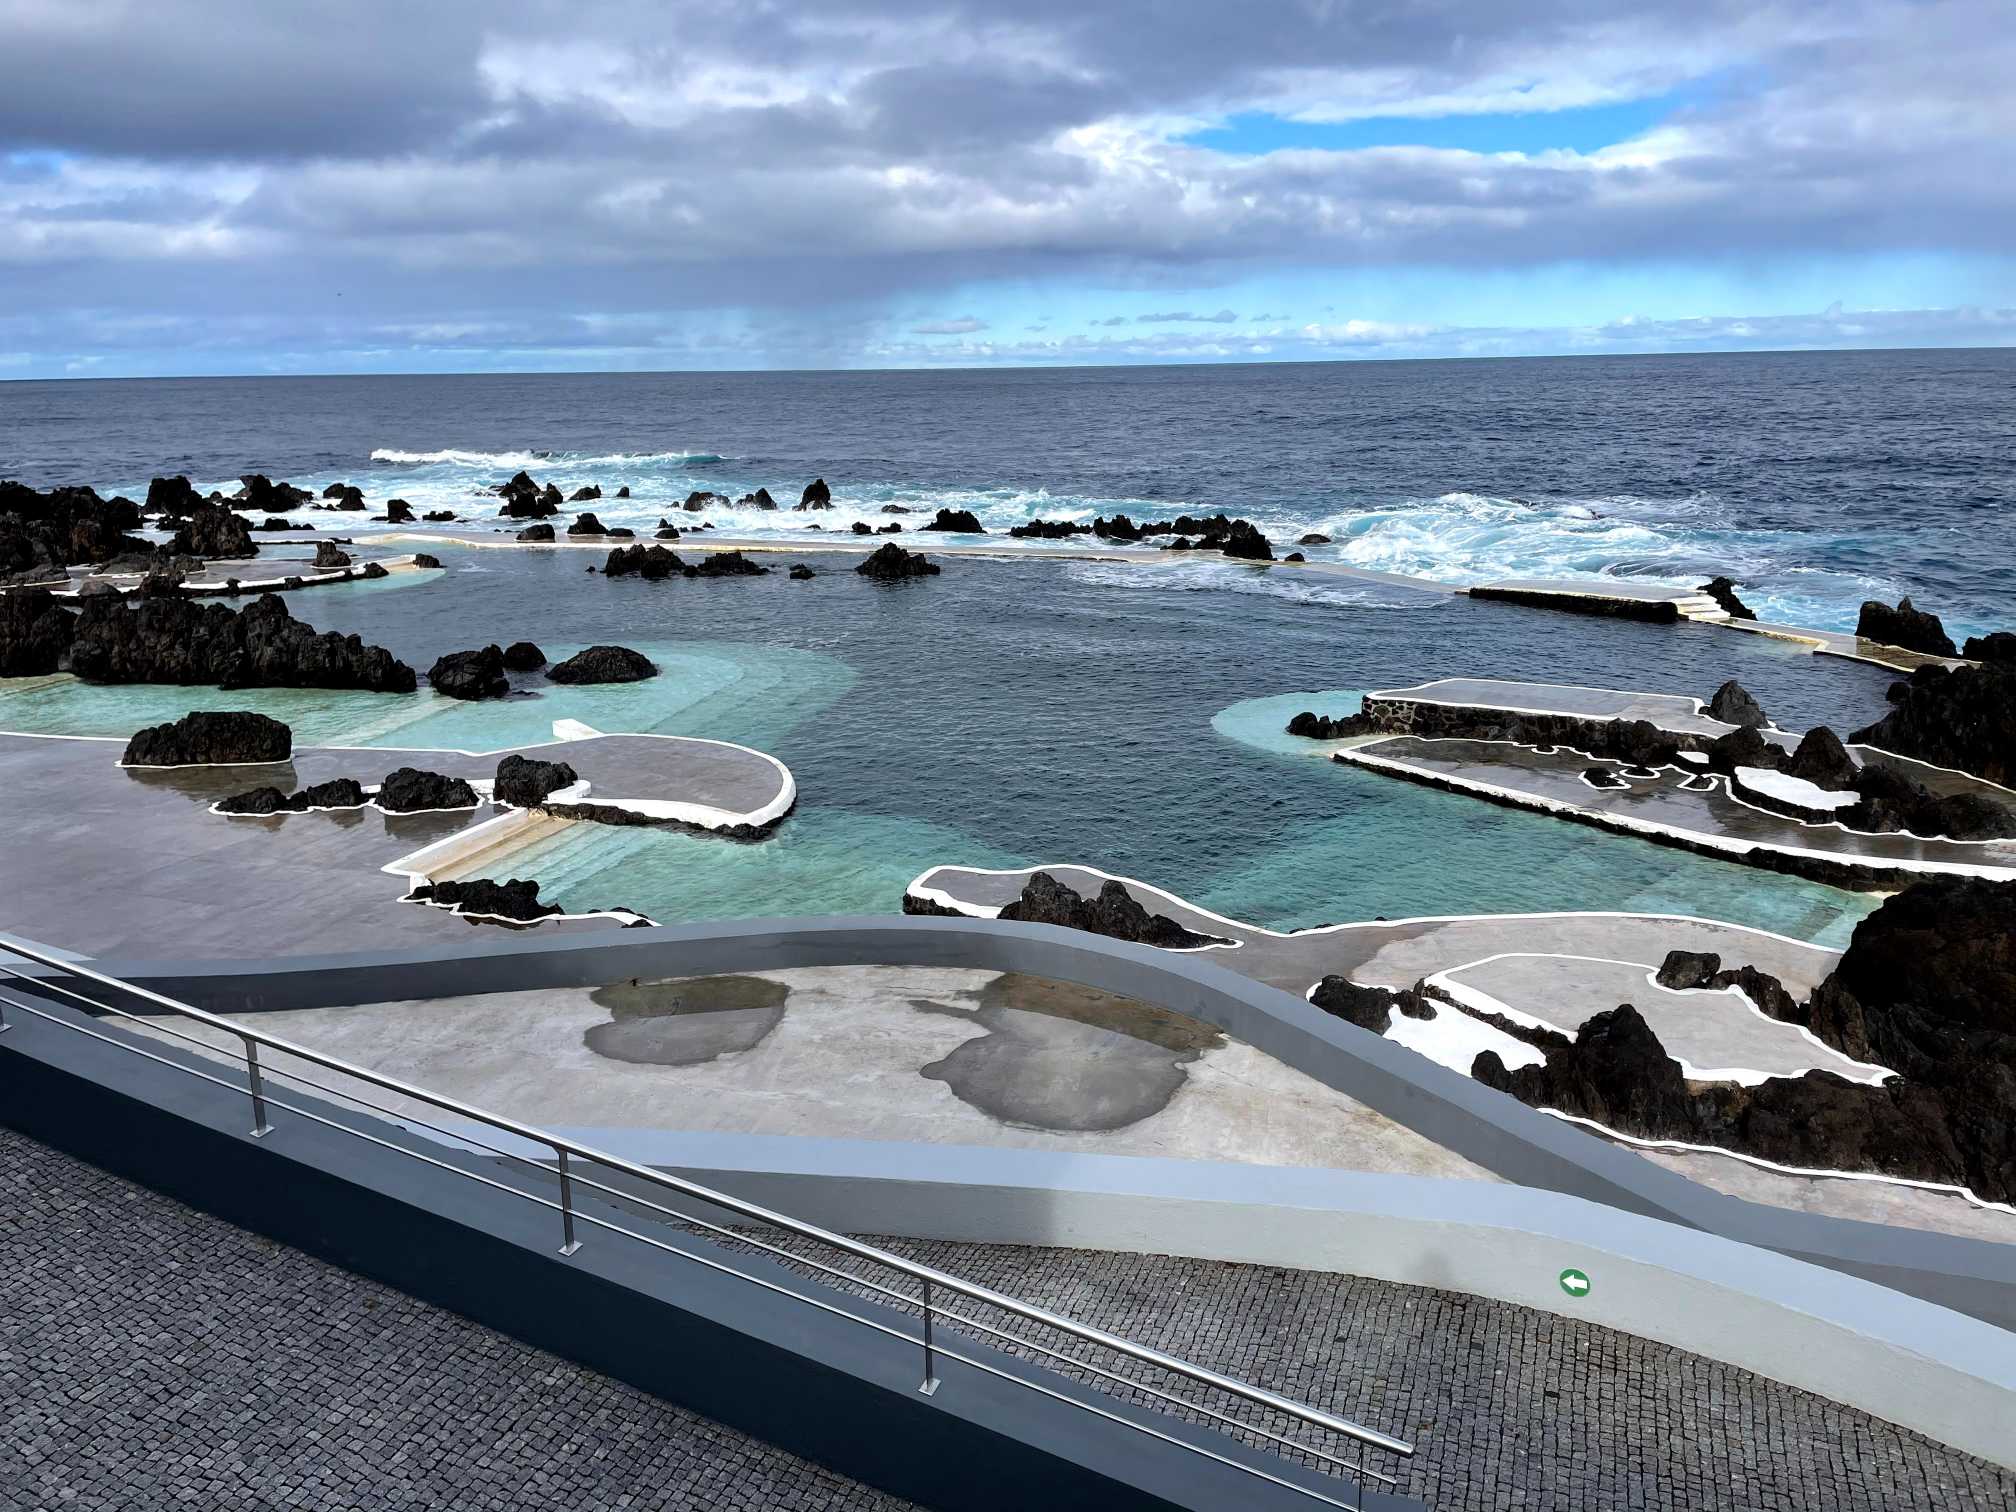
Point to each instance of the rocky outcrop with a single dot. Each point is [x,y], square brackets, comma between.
[479,897]
[540,532]
[1688,970]
[1723,591]
[432,517]
[959,521]
[427,561]
[262,495]
[816,496]
[701,499]
[1963,718]
[470,675]
[586,524]
[1890,800]
[211,739]
[328,554]
[214,531]
[604,664]
[1049,530]
[1314,726]
[800,572]
[1243,541]
[412,791]
[758,500]
[524,782]
[1114,914]
[1821,759]
[344,495]
[35,633]
[1906,626]
[341,793]
[1314,538]
[168,638]
[862,527]
[726,564]
[584,494]
[1998,647]
[1368,1007]
[399,512]
[524,499]
[1636,742]
[889,563]
[648,562]
[172,497]
[279,522]
[1733,705]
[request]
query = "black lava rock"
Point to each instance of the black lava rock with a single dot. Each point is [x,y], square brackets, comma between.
[586,524]
[2000,648]
[167,638]
[1963,718]
[1049,530]
[329,555]
[1114,914]
[35,633]
[1905,626]
[399,512]
[648,562]
[214,531]
[524,782]
[726,564]
[1314,538]
[410,791]
[800,572]
[523,656]
[339,793]
[604,664]
[584,494]
[470,675]
[172,497]
[536,533]
[891,562]
[1732,704]
[1723,591]
[211,739]
[427,561]
[816,495]
[1315,726]
[1683,970]
[960,521]
[517,900]
[524,499]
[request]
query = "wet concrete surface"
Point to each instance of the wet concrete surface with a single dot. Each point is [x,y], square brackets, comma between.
[686,1023]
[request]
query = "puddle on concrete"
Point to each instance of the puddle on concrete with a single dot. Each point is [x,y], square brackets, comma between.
[1067,1058]
[685,1023]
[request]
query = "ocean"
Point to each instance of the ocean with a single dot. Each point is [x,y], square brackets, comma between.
[1815,479]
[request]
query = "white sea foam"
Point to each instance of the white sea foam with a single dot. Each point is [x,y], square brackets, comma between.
[529,459]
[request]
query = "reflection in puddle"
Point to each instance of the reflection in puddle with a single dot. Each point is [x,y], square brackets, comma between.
[685,1023]
[1056,1056]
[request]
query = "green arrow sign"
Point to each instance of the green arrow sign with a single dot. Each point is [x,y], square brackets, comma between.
[1574,1282]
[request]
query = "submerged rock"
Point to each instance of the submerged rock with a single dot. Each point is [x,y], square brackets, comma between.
[524,782]
[470,675]
[523,656]
[584,494]
[889,562]
[604,664]
[1906,626]
[426,561]
[1732,704]
[411,791]
[726,564]
[1114,914]
[1314,538]
[800,572]
[211,739]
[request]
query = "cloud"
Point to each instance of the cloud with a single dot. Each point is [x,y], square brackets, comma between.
[1186,317]
[963,326]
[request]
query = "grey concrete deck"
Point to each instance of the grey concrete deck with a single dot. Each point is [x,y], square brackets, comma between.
[1709,820]
[1566,967]
[112,860]
[142,1342]
[1669,711]
[926,1056]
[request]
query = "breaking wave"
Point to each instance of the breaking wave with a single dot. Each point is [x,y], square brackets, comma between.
[454,457]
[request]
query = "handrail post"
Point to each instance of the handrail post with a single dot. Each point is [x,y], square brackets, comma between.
[260,1127]
[4,1025]
[569,1243]
[930,1385]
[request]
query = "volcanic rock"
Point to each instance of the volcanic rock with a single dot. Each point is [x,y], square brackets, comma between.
[1732,704]
[536,533]
[889,562]
[214,531]
[1744,748]
[411,791]
[1367,1007]
[211,739]
[586,524]
[167,638]
[604,664]
[1049,530]
[1906,627]
[961,521]
[1114,914]
[340,793]
[862,527]
[260,493]
[1822,760]
[35,633]
[1963,718]
[524,783]
[700,499]
[1314,538]
[648,562]
[816,496]
[1316,726]
[1723,591]
[524,499]
[470,675]
[726,564]
[1294,556]
[1119,528]
[172,496]
[1684,970]
[523,656]
[2000,647]
[623,492]
[427,561]
[517,899]
[280,522]
[329,554]
[800,572]
[399,512]
[583,495]
[758,500]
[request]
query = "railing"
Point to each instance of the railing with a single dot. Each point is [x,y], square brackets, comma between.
[567,1173]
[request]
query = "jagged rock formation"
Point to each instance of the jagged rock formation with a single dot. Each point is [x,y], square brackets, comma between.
[523,656]
[648,562]
[758,500]
[701,499]
[172,497]
[262,495]
[1114,914]
[891,562]
[399,512]
[1723,591]
[800,572]
[42,533]
[1316,726]
[214,531]
[959,521]
[411,791]
[1369,1007]
[339,793]
[517,899]
[586,524]
[1905,626]
[1963,718]
[328,554]
[524,782]
[584,494]
[1732,704]
[470,675]
[35,633]
[1049,530]
[1998,647]
[165,637]
[524,499]
[540,532]
[726,564]
[816,496]
[211,739]
[604,664]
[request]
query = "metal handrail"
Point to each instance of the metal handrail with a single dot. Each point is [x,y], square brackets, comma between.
[566,1150]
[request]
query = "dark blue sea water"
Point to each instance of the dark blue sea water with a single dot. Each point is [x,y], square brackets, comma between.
[1818,479]
[1046,710]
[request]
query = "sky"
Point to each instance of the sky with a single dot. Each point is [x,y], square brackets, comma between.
[243,186]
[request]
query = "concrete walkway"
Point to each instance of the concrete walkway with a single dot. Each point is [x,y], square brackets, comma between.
[143,1341]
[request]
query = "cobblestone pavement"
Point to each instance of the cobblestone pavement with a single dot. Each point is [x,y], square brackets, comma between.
[150,1355]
